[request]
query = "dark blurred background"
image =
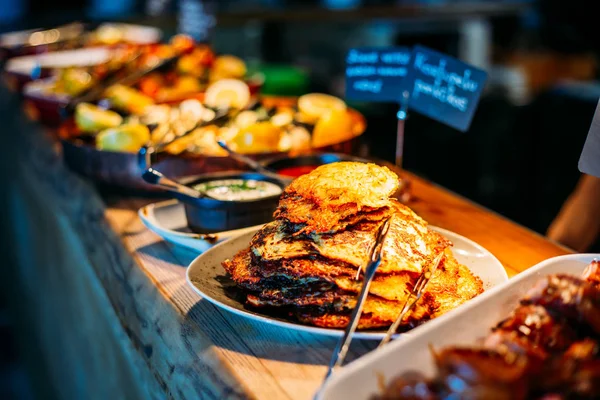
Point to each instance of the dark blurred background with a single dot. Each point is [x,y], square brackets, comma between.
[520,156]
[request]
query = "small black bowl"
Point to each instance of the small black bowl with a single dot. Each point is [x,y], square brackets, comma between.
[207,215]
[279,163]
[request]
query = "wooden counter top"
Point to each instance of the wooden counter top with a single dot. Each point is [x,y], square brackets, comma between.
[516,247]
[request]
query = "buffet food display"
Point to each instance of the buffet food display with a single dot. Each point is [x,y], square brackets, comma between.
[110,93]
[227,113]
[309,260]
[155,73]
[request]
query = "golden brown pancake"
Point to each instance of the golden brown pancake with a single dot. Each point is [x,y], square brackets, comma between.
[387,292]
[333,308]
[299,229]
[409,245]
[332,192]
[337,184]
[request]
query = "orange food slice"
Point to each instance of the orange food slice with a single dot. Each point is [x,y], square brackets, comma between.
[332,128]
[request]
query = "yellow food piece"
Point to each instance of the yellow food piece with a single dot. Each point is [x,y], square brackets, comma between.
[90,118]
[332,128]
[261,137]
[246,118]
[126,138]
[188,84]
[228,66]
[227,93]
[74,81]
[128,99]
[343,187]
[181,145]
[109,34]
[184,86]
[283,118]
[187,64]
[315,105]
[300,139]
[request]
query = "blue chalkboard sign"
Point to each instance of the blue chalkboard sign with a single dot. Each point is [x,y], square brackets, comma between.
[376,74]
[444,88]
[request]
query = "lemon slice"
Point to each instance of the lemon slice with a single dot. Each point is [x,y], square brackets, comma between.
[315,105]
[261,137]
[229,66]
[227,93]
[127,138]
[90,118]
[128,99]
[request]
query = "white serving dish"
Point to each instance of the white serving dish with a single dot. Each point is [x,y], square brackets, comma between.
[85,57]
[208,278]
[463,326]
[17,38]
[167,219]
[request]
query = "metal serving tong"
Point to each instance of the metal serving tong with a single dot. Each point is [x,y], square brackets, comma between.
[255,165]
[339,354]
[414,296]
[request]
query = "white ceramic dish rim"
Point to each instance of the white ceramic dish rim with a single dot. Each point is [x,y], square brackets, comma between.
[154,225]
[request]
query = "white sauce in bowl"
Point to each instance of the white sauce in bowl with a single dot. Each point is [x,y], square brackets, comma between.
[238,189]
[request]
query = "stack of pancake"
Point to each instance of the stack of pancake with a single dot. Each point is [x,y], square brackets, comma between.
[311,258]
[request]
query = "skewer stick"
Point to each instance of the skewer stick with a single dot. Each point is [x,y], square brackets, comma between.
[402,114]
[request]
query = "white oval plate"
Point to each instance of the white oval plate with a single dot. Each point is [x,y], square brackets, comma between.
[208,278]
[167,219]
[85,57]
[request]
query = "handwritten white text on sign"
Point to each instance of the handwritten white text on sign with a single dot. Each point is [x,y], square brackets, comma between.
[445,83]
[375,74]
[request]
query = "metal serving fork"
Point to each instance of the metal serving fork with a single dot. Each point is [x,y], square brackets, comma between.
[339,354]
[414,296]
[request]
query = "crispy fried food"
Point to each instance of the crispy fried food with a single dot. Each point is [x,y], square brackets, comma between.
[311,258]
[410,245]
[453,284]
[338,184]
[333,192]
[275,286]
[289,272]
[333,308]
[569,296]
[331,218]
